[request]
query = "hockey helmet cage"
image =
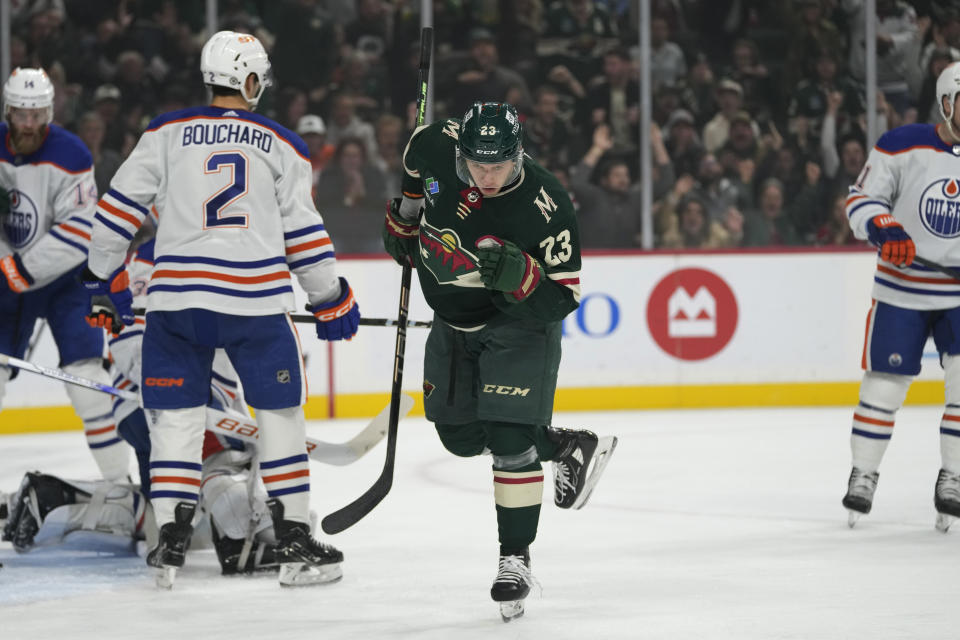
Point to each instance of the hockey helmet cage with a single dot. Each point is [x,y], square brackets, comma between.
[28,89]
[228,58]
[948,85]
[490,132]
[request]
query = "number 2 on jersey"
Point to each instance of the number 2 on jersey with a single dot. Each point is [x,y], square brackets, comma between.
[235,189]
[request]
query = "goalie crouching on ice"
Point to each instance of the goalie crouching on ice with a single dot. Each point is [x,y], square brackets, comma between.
[46,509]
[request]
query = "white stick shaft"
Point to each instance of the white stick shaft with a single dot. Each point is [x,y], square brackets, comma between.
[59,374]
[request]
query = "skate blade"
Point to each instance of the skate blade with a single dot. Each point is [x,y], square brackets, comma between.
[300,574]
[165,577]
[601,457]
[943,522]
[511,610]
[852,517]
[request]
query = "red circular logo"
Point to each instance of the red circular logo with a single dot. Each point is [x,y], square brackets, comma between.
[692,314]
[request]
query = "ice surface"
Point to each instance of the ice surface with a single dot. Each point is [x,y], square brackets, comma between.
[707,525]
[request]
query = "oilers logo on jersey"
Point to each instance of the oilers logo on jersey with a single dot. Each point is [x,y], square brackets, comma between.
[940,208]
[21,224]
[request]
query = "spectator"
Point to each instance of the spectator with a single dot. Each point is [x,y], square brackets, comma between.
[844,169]
[371,31]
[814,36]
[314,133]
[730,100]
[692,228]
[92,130]
[610,212]
[350,197]
[483,76]
[769,225]
[683,143]
[306,44]
[344,123]
[615,101]
[667,64]
[575,31]
[760,96]
[137,89]
[836,230]
[898,42]
[812,95]
[106,102]
[546,136]
[391,134]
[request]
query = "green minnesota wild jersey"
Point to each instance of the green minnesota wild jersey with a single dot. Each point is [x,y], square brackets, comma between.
[534,212]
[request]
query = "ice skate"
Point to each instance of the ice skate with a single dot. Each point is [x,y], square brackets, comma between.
[573,477]
[171,550]
[234,559]
[946,499]
[860,490]
[513,583]
[303,560]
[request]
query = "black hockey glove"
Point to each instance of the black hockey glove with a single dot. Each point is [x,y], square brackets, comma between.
[401,238]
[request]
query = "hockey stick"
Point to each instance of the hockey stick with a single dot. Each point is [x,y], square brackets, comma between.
[356,510]
[236,425]
[930,264]
[367,322]
[59,374]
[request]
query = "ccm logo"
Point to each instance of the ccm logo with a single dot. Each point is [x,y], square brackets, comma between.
[504,390]
[163,382]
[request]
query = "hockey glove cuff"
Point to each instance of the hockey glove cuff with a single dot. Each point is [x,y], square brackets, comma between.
[16,276]
[889,236]
[338,320]
[505,267]
[401,238]
[111,303]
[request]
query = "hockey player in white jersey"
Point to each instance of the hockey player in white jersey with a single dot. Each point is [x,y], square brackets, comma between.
[230,191]
[46,181]
[907,203]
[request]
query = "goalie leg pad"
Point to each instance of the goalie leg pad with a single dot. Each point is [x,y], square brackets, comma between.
[38,495]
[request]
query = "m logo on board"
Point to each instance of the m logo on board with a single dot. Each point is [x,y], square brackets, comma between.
[692,314]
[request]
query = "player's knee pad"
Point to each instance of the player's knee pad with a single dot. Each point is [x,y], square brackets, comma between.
[885,391]
[464,440]
[951,379]
[89,404]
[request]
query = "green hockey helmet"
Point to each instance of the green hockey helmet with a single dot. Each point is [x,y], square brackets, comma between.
[490,133]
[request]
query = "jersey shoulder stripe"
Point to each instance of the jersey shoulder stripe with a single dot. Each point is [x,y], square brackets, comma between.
[911,136]
[218,113]
[62,149]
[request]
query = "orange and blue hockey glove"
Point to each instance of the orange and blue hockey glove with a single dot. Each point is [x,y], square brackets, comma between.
[111,303]
[339,319]
[888,235]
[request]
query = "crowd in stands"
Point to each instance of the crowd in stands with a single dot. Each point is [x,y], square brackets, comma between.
[758,106]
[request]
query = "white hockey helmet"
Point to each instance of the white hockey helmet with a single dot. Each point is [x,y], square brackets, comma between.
[28,89]
[948,85]
[229,57]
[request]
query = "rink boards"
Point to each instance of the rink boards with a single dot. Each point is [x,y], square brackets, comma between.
[654,330]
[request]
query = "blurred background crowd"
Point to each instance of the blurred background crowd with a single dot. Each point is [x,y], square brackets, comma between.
[758,105]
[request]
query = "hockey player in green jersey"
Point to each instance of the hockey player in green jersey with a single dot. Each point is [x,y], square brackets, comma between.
[494,239]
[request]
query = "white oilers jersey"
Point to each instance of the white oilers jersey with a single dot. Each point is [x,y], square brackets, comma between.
[52,199]
[913,175]
[125,348]
[230,193]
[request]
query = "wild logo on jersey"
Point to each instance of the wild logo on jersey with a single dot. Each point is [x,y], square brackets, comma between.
[940,208]
[20,225]
[442,253]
